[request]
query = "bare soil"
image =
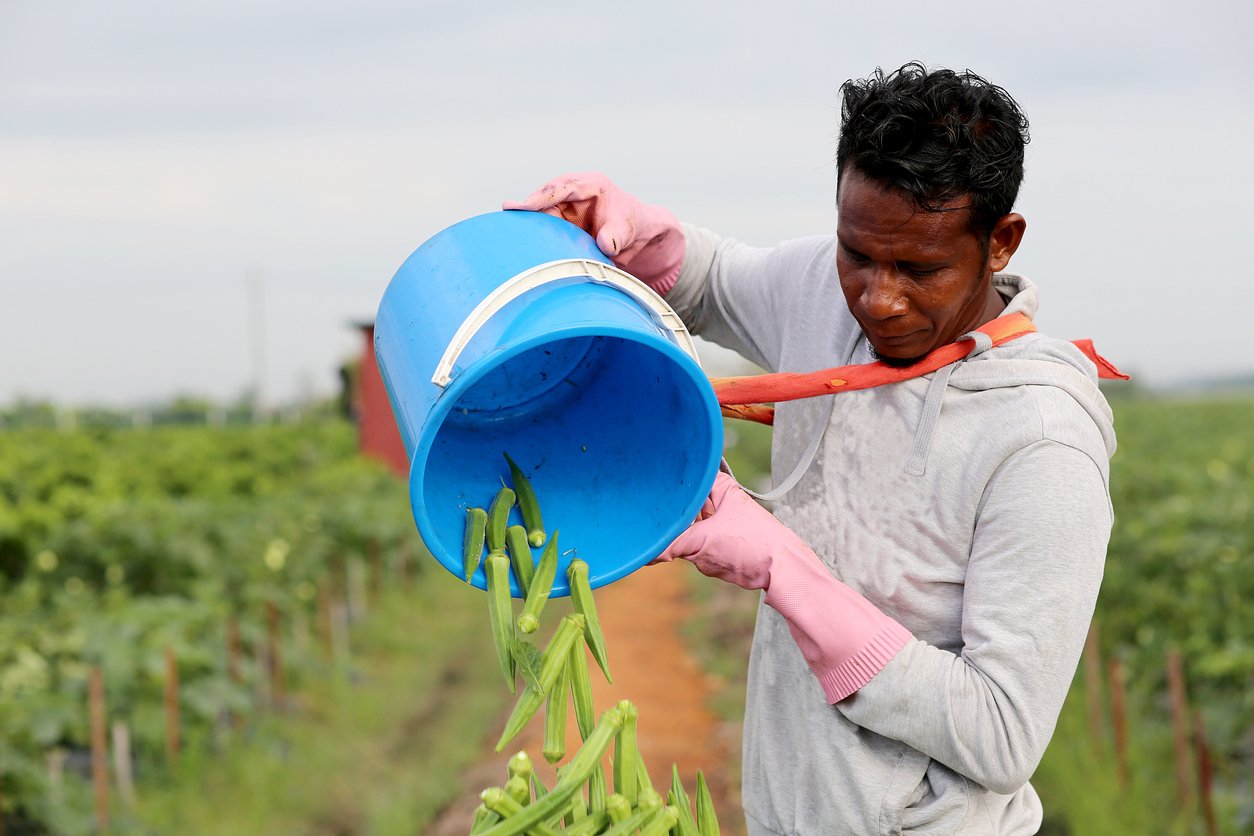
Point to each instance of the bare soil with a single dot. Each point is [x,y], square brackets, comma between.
[642,616]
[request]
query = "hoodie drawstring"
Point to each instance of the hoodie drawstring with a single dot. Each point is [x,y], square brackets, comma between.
[916,465]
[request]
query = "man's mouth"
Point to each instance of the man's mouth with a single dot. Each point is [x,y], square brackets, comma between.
[893,339]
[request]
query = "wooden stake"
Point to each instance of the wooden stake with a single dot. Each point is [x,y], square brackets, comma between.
[1205,776]
[273,654]
[122,763]
[171,706]
[1180,726]
[1118,715]
[99,747]
[1093,683]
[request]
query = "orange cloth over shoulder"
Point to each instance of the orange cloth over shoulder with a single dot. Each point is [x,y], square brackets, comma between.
[749,397]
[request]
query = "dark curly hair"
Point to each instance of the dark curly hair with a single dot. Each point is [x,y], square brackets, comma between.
[938,136]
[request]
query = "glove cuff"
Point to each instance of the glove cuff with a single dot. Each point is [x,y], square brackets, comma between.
[663,284]
[850,675]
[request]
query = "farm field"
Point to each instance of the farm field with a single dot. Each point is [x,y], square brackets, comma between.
[329,678]
[188,613]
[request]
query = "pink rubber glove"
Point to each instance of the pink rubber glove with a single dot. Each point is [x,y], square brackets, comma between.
[644,240]
[844,638]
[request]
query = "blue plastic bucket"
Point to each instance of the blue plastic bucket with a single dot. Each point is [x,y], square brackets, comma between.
[511,332]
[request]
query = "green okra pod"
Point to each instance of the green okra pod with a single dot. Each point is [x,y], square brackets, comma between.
[649,799]
[555,659]
[527,504]
[518,789]
[498,519]
[637,821]
[541,586]
[501,613]
[520,766]
[626,757]
[500,801]
[587,826]
[472,541]
[581,690]
[585,605]
[707,819]
[618,807]
[598,791]
[577,771]
[520,557]
[578,808]
[537,787]
[555,717]
[529,702]
[687,825]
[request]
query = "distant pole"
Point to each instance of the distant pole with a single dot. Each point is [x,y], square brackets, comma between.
[1205,774]
[1119,714]
[1093,683]
[99,748]
[1180,726]
[257,321]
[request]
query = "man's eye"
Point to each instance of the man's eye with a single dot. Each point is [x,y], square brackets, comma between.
[856,258]
[921,273]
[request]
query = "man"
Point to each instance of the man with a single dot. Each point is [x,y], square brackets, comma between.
[930,579]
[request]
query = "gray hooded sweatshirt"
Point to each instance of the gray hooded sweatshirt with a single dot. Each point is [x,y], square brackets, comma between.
[971,505]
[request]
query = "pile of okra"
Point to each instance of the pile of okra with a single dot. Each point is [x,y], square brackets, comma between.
[582,802]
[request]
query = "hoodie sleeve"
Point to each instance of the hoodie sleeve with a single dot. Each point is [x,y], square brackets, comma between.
[738,296]
[1036,563]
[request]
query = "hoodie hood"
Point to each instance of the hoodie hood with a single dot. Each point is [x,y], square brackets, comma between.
[1036,360]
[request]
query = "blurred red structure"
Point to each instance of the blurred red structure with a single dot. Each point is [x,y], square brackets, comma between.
[377,435]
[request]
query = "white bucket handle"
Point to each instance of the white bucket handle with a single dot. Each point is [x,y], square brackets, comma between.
[567,268]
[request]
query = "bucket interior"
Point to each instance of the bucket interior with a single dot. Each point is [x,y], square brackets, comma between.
[619,438]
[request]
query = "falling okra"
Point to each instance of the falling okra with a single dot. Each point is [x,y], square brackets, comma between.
[501,613]
[472,545]
[552,677]
[581,598]
[527,504]
[541,586]
[498,520]
[520,556]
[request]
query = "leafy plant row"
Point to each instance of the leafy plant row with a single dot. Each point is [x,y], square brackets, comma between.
[118,548]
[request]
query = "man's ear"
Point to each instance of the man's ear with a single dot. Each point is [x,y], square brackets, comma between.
[1005,238]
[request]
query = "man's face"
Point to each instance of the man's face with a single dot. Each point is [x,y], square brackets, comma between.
[914,280]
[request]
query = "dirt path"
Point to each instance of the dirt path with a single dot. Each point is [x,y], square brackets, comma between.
[642,616]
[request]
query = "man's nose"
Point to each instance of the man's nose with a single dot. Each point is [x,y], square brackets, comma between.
[882,297]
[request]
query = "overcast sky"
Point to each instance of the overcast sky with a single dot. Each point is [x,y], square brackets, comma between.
[159,159]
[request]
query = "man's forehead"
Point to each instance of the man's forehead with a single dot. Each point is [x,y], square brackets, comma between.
[867,210]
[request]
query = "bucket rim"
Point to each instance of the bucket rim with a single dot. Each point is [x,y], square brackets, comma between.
[598,575]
